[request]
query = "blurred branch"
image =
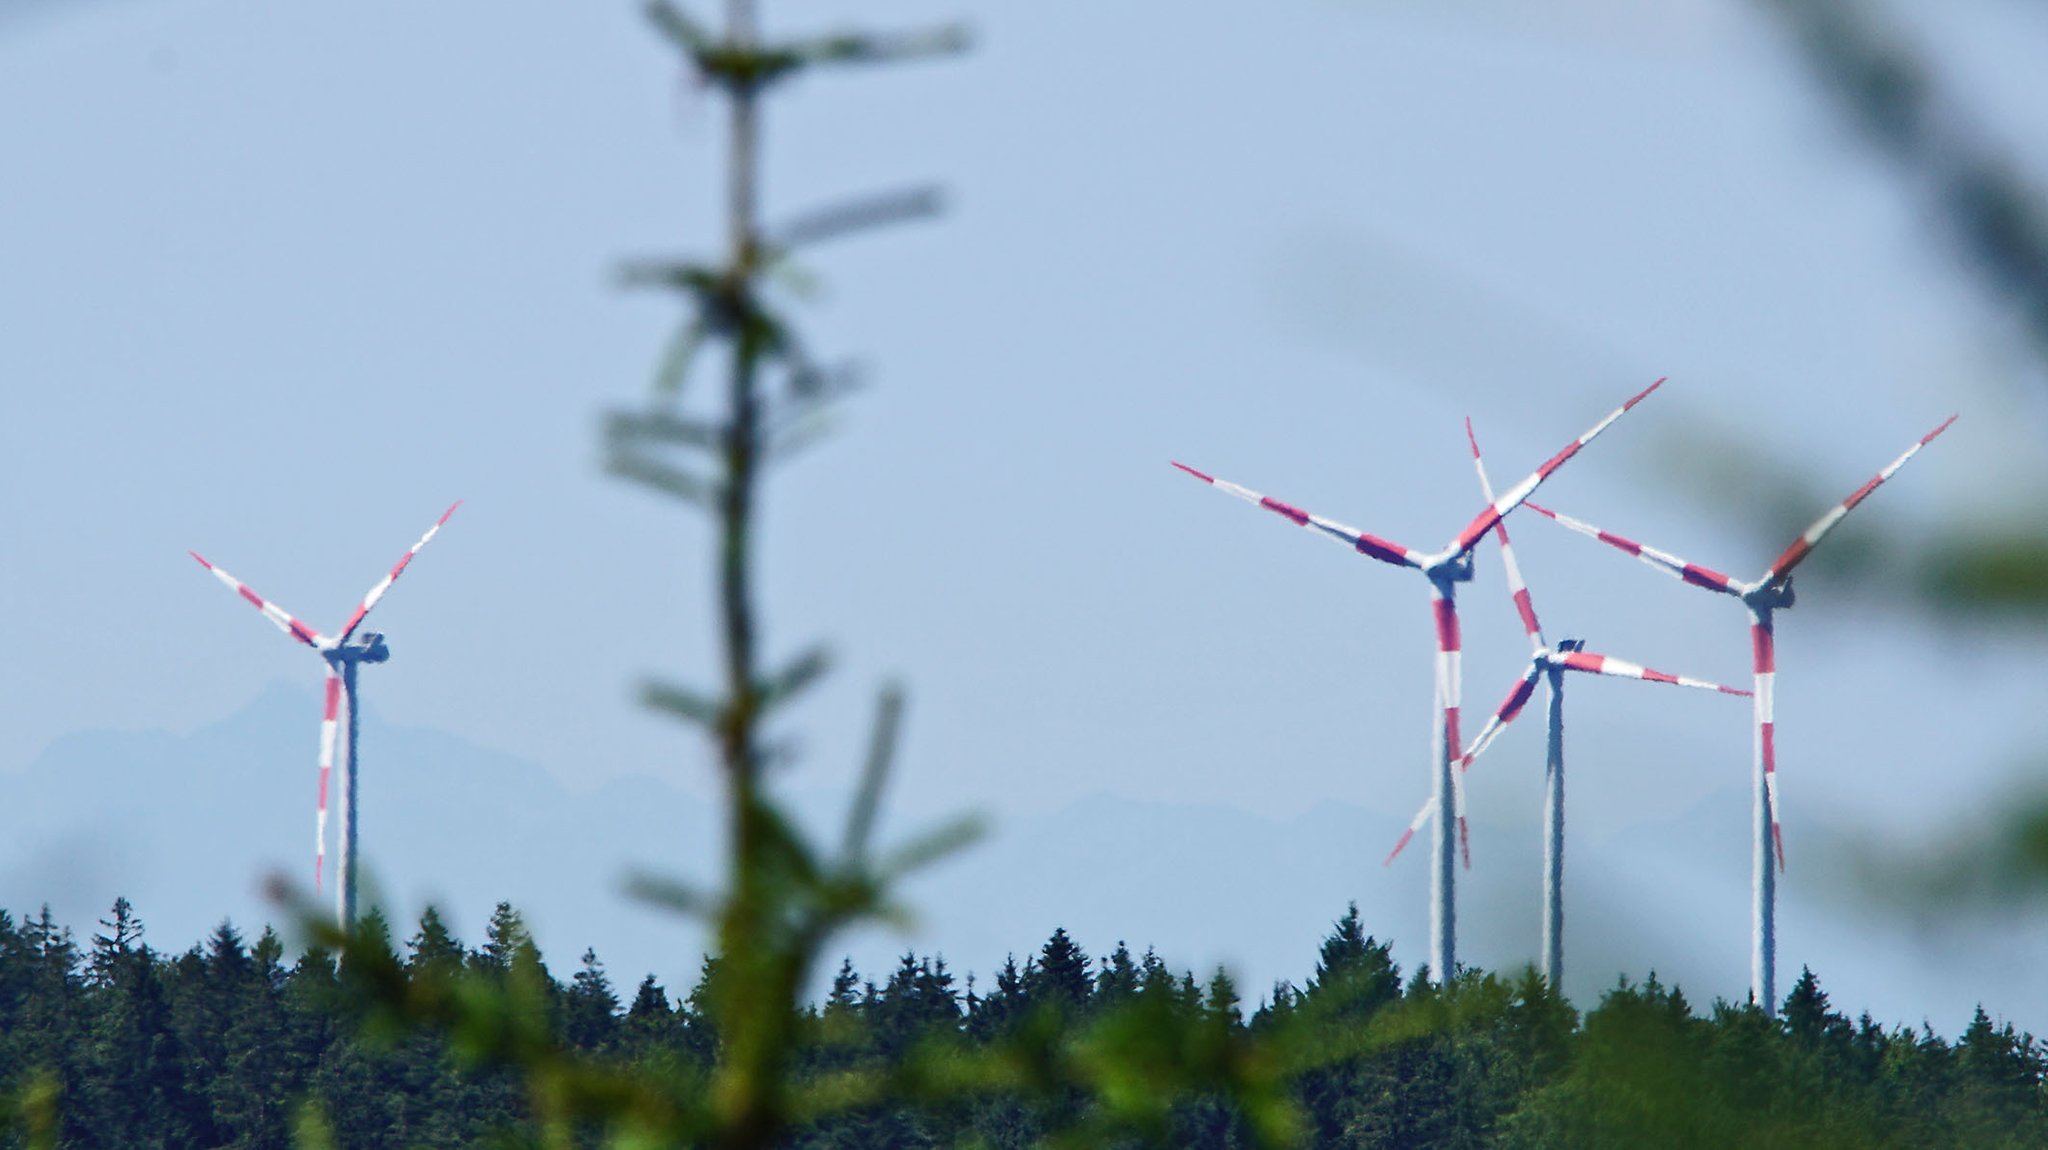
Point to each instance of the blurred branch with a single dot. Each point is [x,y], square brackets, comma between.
[669,480]
[1992,573]
[1891,96]
[791,681]
[685,704]
[1988,573]
[741,66]
[1996,574]
[883,48]
[1997,866]
[624,428]
[859,214]
[874,775]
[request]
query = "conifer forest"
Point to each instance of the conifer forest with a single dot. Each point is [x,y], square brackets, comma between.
[106,1041]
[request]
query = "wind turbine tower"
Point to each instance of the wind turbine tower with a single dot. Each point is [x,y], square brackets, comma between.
[1444,569]
[342,655]
[1549,664]
[1763,597]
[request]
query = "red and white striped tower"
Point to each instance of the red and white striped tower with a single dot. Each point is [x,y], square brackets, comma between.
[1549,663]
[1763,597]
[341,654]
[1445,569]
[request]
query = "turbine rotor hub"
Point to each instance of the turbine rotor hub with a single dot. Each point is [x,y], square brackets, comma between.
[364,647]
[1770,595]
[1452,568]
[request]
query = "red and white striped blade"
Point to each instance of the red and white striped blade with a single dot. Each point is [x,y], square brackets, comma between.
[1386,551]
[330,725]
[1420,820]
[1515,495]
[1663,561]
[397,569]
[1422,817]
[1593,664]
[1805,543]
[1517,589]
[1516,702]
[1458,810]
[285,620]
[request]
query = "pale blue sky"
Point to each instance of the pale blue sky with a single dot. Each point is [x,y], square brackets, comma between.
[278,284]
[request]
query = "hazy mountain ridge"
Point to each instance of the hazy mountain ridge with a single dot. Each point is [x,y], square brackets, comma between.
[145,814]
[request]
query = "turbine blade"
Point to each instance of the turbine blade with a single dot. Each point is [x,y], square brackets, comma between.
[285,620]
[1386,551]
[1517,700]
[1621,668]
[1517,589]
[1663,561]
[1458,808]
[1414,824]
[397,569]
[1805,543]
[329,725]
[1485,520]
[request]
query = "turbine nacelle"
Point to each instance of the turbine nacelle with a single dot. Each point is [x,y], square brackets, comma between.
[1767,594]
[364,647]
[1450,566]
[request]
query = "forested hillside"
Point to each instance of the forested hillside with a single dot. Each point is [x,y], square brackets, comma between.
[110,1042]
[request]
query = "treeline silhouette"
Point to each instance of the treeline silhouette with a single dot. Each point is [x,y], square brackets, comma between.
[232,1044]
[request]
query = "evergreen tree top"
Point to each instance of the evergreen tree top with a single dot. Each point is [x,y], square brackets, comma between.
[1061,973]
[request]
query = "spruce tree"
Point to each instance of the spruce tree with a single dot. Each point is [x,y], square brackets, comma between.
[998,1010]
[213,994]
[46,1036]
[650,1001]
[110,951]
[589,1008]
[1117,981]
[1061,976]
[650,1029]
[263,1076]
[503,937]
[1998,1083]
[843,996]
[939,1003]
[1223,1000]
[1807,1017]
[137,1095]
[1355,974]
[434,951]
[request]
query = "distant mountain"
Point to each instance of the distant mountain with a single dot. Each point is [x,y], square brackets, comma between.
[186,826]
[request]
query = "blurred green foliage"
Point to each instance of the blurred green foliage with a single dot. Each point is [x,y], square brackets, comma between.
[1988,571]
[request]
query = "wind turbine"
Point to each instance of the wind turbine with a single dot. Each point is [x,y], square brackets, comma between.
[1763,597]
[1444,569]
[1549,664]
[342,654]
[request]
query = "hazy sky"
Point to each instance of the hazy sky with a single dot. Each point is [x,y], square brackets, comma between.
[280,283]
